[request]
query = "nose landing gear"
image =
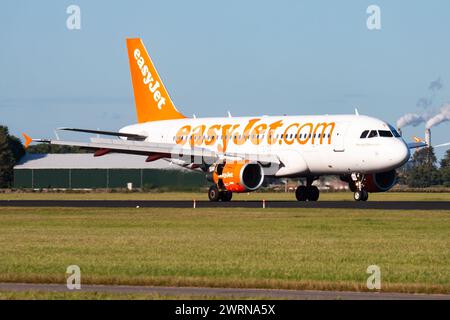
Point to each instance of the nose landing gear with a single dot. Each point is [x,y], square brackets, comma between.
[360,194]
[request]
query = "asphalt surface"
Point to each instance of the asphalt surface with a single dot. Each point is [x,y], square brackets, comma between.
[225,292]
[380,205]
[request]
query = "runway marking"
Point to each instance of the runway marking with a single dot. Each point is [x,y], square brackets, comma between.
[225,292]
[379,205]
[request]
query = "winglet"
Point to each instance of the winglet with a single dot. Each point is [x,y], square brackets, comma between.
[28,140]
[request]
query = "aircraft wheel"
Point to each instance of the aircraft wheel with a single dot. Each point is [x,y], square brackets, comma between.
[365,195]
[301,193]
[226,196]
[362,195]
[358,195]
[213,194]
[313,193]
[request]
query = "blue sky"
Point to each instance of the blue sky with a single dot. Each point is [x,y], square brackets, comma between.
[249,57]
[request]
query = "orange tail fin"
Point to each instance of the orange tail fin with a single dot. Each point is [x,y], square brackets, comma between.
[151,98]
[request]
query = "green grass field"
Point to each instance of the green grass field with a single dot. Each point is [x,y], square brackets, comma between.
[325,196]
[74,295]
[327,249]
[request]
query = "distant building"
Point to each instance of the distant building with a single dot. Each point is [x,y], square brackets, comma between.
[83,171]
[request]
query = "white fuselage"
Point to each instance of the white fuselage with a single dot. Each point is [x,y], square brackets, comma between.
[305,145]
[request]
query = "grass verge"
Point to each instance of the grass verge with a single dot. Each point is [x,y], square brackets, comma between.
[323,249]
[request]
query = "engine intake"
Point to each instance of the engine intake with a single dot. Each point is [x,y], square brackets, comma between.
[239,176]
[380,182]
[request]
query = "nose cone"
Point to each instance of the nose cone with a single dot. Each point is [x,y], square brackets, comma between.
[399,153]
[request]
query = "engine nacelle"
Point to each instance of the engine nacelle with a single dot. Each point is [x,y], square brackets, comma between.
[375,182]
[240,176]
[380,182]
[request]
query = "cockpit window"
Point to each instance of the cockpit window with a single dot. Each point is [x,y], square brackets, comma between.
[364,134]
[394,132]
[385,133]
[373,134]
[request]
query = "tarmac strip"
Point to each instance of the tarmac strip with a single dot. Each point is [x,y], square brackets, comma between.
[379,205]
[225,292]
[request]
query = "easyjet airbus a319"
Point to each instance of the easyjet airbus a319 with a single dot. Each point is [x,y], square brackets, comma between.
[237,153]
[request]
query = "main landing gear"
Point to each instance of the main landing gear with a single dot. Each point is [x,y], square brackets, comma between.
[360,194]
[308,192]
[214,194]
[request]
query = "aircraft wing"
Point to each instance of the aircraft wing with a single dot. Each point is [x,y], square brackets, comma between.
[419,143]
[413,145]
[134,147]
[154,151]
[130,136]
[442,145]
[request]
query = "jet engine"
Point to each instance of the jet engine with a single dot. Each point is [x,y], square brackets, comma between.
[375,182]
[242,176]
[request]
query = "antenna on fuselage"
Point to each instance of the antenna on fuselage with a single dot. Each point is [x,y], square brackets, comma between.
[229,114]
[356,112]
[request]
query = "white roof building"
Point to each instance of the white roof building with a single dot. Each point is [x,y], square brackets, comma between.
[88,161]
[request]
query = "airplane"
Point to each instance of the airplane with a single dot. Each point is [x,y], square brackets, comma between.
[238,153]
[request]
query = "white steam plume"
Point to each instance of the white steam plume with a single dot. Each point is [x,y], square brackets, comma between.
[411,119]
[442,116]
[414,119]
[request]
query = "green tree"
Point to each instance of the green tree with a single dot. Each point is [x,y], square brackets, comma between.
[445,169]
[423,172]
[11,150]
[445,161]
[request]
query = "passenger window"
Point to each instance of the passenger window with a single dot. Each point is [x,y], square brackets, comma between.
[385,133]
[364,134]
[373,134]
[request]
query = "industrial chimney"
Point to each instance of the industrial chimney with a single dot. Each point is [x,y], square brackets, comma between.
[428,137]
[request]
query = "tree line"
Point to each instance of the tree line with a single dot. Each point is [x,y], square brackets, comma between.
[422,171]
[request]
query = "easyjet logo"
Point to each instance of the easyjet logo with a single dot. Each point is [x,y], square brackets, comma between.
[226,175]
[255,132]
[151,84]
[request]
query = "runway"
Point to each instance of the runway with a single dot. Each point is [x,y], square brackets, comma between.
[379,205]
[225,292]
